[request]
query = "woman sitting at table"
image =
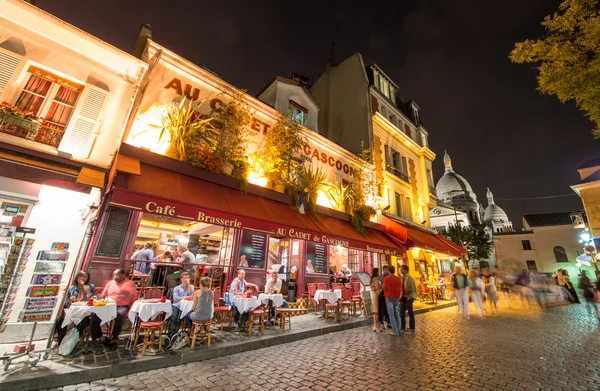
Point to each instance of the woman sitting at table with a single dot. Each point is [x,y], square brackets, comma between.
[441,284]
[204,304]
[80,290]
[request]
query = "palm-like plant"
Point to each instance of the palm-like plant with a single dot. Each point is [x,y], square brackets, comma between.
[341,197]
[309,182]
[183,125]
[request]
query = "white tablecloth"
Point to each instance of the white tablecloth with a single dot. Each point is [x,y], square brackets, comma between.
[331,297]
[75,313]
[149,309]
[276,297]
[244,304]
[185,306]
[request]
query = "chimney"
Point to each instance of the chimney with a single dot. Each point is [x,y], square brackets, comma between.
[301,78]
[142,41]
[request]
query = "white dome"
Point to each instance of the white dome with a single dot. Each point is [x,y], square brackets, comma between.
[452,185]
[494,213]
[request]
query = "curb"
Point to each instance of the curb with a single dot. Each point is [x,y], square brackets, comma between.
[125,367]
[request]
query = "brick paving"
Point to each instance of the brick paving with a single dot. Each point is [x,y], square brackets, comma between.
[520,349]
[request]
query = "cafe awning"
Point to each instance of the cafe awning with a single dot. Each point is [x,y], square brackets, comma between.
[421,238]
[154,189]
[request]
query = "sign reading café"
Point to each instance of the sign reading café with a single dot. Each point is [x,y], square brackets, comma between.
[169,82]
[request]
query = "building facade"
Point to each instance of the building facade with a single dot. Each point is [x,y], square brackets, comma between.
[588,188]
[361,109]
[547,243]
[65,97]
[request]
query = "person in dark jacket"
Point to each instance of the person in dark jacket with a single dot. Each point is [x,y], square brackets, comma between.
[459,282]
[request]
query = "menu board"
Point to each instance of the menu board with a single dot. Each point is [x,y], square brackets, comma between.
[317,254]
[254,247]
[114,232]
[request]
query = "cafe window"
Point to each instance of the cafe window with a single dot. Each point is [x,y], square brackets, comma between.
[48,100]
[316,258]
[297,113]
[278,256]
[338,256]
[354,260]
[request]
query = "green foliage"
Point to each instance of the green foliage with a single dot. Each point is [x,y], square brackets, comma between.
[184,126]
[233,121]
[567,57]
[341,197]
[280,153]
[473,238]
[309,182]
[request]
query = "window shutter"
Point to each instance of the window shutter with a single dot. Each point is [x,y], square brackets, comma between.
[8,67]
[85,121]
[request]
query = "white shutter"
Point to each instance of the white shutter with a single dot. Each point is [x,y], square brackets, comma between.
[84,122]
[8,67]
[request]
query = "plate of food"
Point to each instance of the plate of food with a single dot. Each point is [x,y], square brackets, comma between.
[78,303]
[150,300]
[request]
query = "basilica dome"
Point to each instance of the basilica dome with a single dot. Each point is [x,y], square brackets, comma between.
[494,213]
[452,185]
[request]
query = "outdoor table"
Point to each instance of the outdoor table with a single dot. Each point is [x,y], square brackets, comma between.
[149,309]
[185,306]
[244,304]
[331,297]
[432,290]
[275,298]
[160,271]
[76,313]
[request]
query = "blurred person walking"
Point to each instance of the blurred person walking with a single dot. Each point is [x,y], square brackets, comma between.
[459,282]
[489,283]
[569,286]
[476,289]
[588,294]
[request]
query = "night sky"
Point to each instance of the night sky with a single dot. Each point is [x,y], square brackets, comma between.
[451,57]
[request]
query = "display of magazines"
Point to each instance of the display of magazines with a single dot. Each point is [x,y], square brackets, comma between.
[15,248]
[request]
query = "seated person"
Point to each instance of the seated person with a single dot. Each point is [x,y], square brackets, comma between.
[80,290]
[274,286]
[345,274]
[204,303]
[441,284]
[122,291]
[179,292]
[239,287]
[146,254]
[309,266]
[186,256]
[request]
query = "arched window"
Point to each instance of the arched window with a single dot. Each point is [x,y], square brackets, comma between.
[560,254]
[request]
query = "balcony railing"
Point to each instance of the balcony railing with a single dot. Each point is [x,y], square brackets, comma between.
[30,130]
[399,173]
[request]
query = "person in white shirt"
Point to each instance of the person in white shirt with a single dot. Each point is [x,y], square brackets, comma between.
[274,286]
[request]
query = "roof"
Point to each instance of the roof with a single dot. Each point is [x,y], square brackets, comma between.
[590,163]
[548,219]
[591,178]
[292,82]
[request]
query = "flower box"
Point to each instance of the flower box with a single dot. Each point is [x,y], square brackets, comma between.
[19,122]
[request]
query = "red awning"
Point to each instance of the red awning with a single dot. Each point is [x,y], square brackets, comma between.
[423,239]
[161,191]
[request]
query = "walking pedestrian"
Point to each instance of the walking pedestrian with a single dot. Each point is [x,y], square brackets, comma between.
[407,297]
[569,286]
[392,289]
[459,282]
[384,319]
[489,283]
[588,293]
[375,289]
[476,288]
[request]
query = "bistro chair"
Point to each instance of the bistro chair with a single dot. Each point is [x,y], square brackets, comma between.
[154,292]
[150,329]
[357,297]
[284,314]
[257,314]
[321,286]
[311,288]
[200,329]
[223,312]
[334,308]
[346,302]
[423,292]
[337,286]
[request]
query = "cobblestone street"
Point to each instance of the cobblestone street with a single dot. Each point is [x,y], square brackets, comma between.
[519,349]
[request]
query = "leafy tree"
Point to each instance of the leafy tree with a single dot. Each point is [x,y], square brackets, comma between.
[567,57]
[473,238]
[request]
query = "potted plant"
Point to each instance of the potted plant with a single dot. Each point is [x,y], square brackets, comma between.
[309,182]
[233,121]
[281,152]
[341,197]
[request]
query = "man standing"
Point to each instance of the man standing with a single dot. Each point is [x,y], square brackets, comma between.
[239,286]
[392,288]
[147,254]
[459,282]
[122,291]
[409,294]
[274,286]
[180,291]
[384,319]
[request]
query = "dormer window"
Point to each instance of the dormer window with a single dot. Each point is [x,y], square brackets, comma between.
[297,113]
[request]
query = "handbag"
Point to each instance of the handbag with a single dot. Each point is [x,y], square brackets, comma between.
[69,342]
